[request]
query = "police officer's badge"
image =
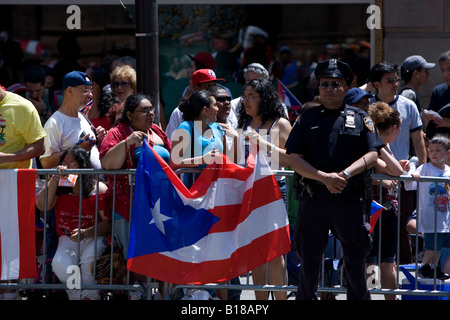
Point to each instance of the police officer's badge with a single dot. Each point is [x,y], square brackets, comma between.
[369,124]
[350,119]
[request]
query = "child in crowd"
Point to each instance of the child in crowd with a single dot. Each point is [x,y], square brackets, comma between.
[77,246]
[433,199]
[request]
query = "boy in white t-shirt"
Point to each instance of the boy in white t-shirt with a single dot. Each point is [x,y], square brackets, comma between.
[434,199]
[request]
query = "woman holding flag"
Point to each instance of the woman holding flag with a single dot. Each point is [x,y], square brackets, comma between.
[121,148]
[261,117]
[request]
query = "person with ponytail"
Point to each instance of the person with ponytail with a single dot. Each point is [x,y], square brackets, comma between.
[199,138]
[388,122]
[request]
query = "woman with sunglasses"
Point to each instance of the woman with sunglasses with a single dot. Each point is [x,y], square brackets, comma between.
[262,119]
[123,84]
[121,148]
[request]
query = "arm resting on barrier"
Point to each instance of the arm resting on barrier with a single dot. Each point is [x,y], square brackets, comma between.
[388,164]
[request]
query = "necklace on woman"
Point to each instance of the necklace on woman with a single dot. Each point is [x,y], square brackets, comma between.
[252,124]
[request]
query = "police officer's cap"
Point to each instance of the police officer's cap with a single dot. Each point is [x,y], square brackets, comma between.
[335,69]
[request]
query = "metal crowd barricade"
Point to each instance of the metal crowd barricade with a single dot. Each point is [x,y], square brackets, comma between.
[415,291]
[340,287]
[247,286]
[36,284]
[151,284]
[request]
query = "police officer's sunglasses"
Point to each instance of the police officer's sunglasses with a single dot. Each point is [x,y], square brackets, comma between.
[334,84]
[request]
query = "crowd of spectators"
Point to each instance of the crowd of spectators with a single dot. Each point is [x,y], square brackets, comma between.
[93,117]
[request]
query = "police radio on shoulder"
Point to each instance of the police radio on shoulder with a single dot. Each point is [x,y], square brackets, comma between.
[346,174]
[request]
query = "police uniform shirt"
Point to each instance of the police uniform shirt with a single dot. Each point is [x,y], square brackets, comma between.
[332,139]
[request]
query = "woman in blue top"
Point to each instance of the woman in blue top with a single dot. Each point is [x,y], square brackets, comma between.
[199,138]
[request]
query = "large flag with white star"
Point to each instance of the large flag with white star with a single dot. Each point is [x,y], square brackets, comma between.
[230,221]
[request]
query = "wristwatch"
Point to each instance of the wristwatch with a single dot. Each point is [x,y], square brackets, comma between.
[346,174]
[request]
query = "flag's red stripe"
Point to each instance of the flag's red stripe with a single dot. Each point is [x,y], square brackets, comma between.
[26,189]
[230,216]
[213,172]
[374,218]
[243,260]
[1,253]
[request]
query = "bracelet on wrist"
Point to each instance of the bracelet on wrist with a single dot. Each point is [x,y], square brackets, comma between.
[346,174]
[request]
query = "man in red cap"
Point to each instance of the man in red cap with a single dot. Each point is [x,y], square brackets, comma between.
[201,80]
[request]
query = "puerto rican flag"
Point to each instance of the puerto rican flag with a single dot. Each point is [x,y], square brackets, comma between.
[375,212]
[291,102]
[17,224]
[232,220]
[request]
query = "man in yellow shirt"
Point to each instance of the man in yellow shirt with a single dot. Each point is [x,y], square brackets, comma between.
[21,132]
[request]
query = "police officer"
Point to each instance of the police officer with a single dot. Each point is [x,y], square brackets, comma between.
[332,147]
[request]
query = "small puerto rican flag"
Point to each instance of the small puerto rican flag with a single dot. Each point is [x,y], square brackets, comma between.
[375,211]
[291,102]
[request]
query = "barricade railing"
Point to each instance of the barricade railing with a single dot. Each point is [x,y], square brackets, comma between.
[437,288]
[339,288]
[151,284]
[42,285]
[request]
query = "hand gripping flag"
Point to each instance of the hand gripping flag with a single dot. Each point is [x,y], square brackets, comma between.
[375,211]
[17,224]
[230,221]
[291,102]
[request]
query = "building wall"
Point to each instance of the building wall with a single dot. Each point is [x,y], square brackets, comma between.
[417,27]
[409,27]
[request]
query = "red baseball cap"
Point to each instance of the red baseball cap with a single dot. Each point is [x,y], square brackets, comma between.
[204,60]
[204,75]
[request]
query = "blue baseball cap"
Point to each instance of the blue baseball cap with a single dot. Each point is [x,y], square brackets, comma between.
[415,62]
[75,79]
[356,94]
